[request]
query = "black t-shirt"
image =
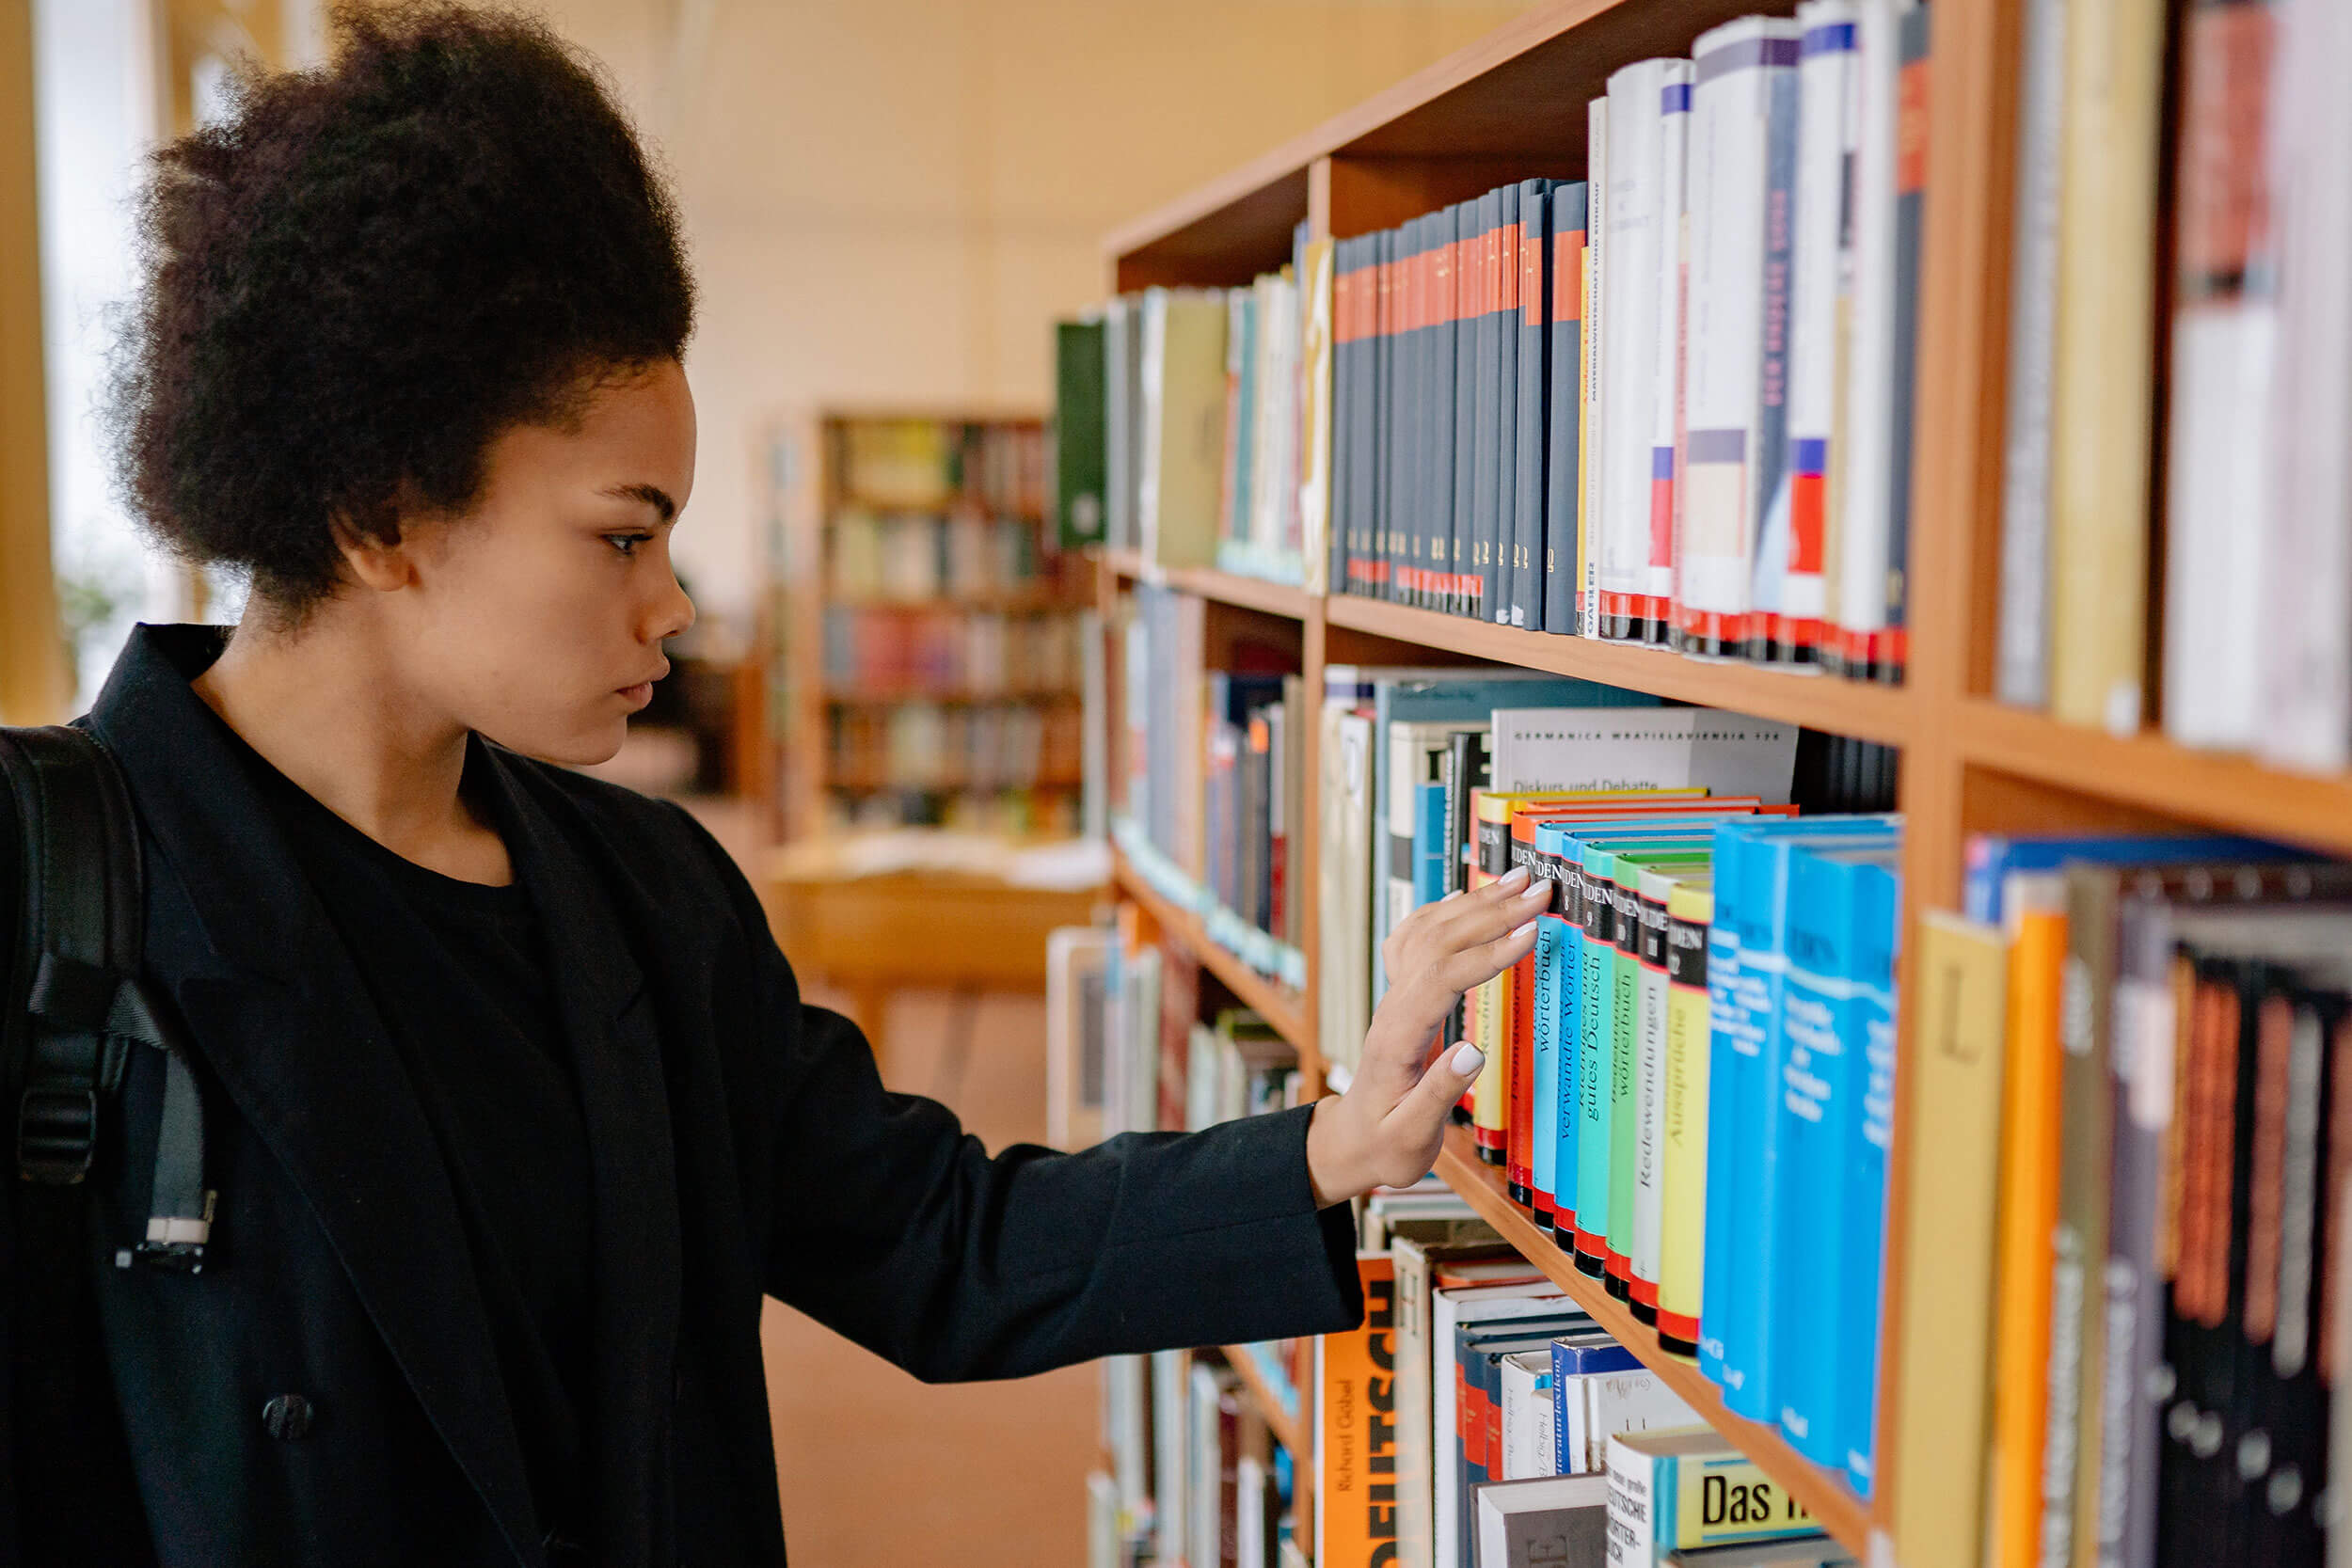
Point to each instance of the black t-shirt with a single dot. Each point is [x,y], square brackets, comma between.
[460,975]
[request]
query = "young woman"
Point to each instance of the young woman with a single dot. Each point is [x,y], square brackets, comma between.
[514,1110]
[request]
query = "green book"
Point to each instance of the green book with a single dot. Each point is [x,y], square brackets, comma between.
[1079,452]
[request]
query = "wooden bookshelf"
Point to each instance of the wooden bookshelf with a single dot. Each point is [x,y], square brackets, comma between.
[1282,1008]
[1825,1495]
[1263,1399]
[805,474]
[1510,107]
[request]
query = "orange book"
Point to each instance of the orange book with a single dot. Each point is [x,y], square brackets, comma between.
[2029,1211]
[1356,1429]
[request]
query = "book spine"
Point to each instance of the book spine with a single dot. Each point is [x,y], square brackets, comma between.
[1518,1166]
[1562,556]
[1724,201]
[2307,639]
[1624,1083]
[1485,443]
[1668,410]
[1955,1109]
[2103,381]
[1439,417]
[1592,1069]
[1505,453]
[1772,634]
[1634,258]
[2224,347]
[1464,510]
[1355,1448]
[1682,1206]
[2021,661]
[1809,1103]
[1543,1133]
[1824,70]
[1568,1030]
[1866,494]
[1869,1134]
[1490,1101]
[1889,658]
[1730,1056]
[1532,439]
[1591,428]
[1649,1111]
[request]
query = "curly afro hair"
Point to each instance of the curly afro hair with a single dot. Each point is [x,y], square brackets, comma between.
[367,272]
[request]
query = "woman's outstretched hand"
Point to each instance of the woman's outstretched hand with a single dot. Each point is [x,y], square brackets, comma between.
[1386,1130]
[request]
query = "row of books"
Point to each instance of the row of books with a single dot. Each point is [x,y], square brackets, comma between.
[1403,747]
[918,556]
[920,464]
[1516,1430]
[2206,455]
[1185,421]
[1689,1081]
[950,652]
[2130,1251]
[927,746]
[1042,811]
[1211,764]
[1670,403]
[1211,1487]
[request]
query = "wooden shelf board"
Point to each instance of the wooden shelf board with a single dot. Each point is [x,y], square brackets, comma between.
[1261,1394]
[2231,791]
[1274,598]
[1518,92]
[1858,708]
[1279,1005]
[1842,1513]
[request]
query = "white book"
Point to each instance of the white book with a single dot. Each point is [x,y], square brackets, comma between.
[1249,1488]
[1868,470]
[1102,1521]
[1526,1413]
[1449,1310]
[1634,238]
[1075,1045]
[1172,1454]
[1550,1522]
[1592,440]
[1642,748]
[1742,141]
[2022,657]
[1601,1405]
[2218,521]
[1658,572]
[2306,629]
[1344,980]
[1205,1530]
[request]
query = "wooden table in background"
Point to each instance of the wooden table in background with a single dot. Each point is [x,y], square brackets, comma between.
[935,929]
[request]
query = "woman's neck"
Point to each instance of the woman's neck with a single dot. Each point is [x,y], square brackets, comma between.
[325,704]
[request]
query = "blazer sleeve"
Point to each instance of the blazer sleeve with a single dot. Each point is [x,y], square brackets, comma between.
[895,1228]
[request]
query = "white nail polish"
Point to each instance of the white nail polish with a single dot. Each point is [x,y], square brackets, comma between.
[1513,878]
[1518,931]
[1467,1059]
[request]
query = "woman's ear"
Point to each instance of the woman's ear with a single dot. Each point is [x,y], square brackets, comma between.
[373,562]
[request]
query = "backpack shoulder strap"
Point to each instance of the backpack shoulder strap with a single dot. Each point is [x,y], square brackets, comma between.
[85,1004]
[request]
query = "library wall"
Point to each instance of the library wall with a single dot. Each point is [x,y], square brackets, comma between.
[888,203]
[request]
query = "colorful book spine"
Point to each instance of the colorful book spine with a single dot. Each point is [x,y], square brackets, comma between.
[1854,1399]
[1817,309]
[1553,981]
[1658,879]
[1683,1201]
[1591,430]
[1661,571]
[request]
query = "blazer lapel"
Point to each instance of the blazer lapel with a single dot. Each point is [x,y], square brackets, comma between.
[609,1020]
[278,1012]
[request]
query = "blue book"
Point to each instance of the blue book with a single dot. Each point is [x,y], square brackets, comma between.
[1429,846]
[1817,1107]
[1854,1399]
[1574,1356]
[1992,856]
[1437,694]
[1552,1073]
[1750,876]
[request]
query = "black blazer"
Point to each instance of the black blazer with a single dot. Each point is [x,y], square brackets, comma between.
[742,1144]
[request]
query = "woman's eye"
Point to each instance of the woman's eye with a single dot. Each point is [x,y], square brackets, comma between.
[627,543]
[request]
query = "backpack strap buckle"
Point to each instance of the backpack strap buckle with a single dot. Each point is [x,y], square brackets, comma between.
[56,1134]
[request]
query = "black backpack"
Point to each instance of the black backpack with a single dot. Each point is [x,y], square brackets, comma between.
[72,1009]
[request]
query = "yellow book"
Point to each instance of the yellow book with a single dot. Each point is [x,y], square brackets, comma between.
[2029,1166]
[1682,1222]
[1943,1349]
[2102,379]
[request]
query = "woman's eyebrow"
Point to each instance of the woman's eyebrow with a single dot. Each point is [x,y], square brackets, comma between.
[652,495]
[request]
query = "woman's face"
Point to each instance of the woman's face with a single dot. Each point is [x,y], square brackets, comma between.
[537,617]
